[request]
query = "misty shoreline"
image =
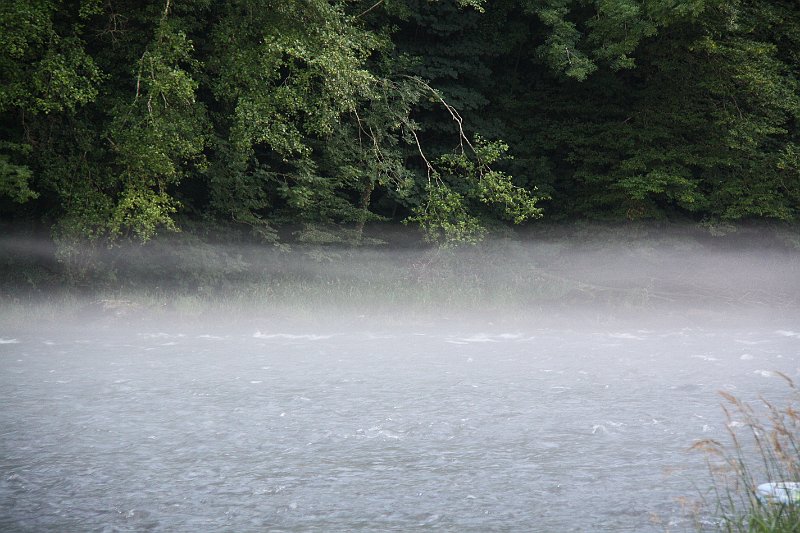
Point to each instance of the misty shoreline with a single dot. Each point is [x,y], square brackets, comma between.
[594,274]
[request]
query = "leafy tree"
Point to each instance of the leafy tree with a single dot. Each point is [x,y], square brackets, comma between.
[306,119]
[692,115]
[45,70]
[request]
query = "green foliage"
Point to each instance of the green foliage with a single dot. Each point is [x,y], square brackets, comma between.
[700,125]
[288,69]
[15,179]
[560,48]
[44,70]
[583,36]
[446,215]
[307,119]
[156,136]
[290,76]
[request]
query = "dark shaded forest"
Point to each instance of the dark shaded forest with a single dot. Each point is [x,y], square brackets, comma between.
[309,120]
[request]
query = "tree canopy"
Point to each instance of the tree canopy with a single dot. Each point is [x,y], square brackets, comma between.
[307,119]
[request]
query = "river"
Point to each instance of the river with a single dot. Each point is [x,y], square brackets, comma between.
[473,425]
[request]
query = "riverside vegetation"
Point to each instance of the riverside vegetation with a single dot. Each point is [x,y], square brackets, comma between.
[598,267]
[768,431]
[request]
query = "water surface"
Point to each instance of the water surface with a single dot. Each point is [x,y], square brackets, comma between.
[460,426]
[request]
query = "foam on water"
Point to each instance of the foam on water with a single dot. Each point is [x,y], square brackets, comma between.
[625,336]
[485,337]
[705,357]
[291,336]
[479,337]
[511,336]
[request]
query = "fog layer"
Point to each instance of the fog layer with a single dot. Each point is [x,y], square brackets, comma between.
[547,385]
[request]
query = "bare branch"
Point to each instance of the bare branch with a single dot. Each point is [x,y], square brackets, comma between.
[379,2]
[139,77]
[421,153]
[360,127]
[454,114]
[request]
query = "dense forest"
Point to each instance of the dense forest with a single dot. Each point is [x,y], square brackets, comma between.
[305,120]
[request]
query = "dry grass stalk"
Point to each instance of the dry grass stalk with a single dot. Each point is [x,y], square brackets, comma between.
[764,447]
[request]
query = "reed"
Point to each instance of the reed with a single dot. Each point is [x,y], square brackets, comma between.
[763,447]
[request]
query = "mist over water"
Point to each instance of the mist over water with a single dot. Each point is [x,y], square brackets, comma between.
[553,384]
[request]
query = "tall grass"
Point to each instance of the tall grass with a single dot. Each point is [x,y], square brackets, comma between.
[591,272]
[763,447]
[192,280]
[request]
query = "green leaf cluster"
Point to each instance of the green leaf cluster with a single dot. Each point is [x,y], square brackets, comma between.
[309,119]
